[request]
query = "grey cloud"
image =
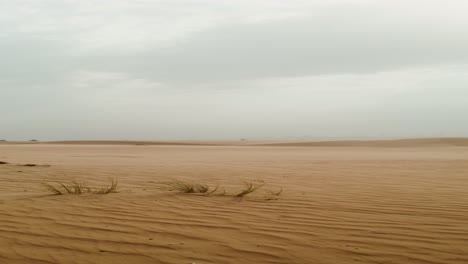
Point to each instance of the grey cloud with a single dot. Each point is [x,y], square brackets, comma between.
[350,69]
[344,41]
[33,60]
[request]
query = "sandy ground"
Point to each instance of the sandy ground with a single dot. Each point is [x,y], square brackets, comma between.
[339,205]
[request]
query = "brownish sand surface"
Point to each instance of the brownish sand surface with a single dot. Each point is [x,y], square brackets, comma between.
[404,203]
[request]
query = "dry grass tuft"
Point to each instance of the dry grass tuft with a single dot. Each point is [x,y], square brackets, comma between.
[249,187]
[79,187]
[112,188]
[278,193]
[53,189]
[187,187]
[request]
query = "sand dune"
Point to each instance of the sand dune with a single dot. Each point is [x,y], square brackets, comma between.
[126,142]
[411,142]
[415,142]
[339,205]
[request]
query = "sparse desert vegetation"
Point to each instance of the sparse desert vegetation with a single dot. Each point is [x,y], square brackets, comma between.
[189,187]
[80,187]
[77,187]
[111,188]
[186,187]
[249,187]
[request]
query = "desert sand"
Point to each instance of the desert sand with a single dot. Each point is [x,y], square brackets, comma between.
[342,202]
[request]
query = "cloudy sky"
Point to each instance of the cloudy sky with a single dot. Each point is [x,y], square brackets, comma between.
[214,69]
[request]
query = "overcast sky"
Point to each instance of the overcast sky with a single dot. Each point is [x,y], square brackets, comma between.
[214,69]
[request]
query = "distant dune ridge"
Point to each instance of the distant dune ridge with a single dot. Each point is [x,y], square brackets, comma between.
[124,142]
[414,142]
[410,142]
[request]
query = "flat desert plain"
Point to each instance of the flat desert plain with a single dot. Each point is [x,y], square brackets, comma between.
[342,202]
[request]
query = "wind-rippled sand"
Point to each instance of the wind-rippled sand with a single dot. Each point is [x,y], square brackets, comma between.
[339,205]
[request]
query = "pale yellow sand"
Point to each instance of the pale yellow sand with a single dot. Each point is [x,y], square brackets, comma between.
[370,204]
